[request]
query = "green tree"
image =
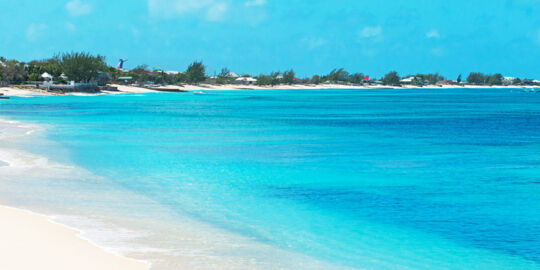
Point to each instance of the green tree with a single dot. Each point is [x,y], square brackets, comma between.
[516,81]
[272,79]
[180,78]
[431,78]
[356,78]
[195,72]
[224,76]
[391,78]
[225,73]
[476,78]
[459,79]
[495,79]
[52,66]
[2,60]
[316,79]
[81,66]
[162,77]
[140,74]
[13,71]
[275,78]
[288,77]
[33,70]
[337,75]
[114,73]
[264,80]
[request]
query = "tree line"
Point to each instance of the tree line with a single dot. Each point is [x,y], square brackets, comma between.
[76,66]
[85,67]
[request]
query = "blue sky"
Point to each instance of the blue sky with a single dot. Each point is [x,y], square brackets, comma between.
[260,36]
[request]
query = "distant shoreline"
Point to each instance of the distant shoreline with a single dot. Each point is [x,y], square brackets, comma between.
[126,89]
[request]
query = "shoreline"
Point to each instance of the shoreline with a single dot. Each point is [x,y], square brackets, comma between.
[132,89]
[114,235]
[51,244]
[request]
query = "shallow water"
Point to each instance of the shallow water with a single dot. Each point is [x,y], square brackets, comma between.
[314,179]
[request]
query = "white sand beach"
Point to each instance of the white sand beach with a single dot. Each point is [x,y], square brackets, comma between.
[126,89]
[31,241]
[13,91]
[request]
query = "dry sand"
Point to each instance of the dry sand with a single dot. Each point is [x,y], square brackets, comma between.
[12,91]
[30,241]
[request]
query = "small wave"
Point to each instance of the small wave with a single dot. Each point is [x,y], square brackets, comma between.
[95,232]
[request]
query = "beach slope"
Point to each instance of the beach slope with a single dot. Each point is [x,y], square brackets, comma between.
[31,241]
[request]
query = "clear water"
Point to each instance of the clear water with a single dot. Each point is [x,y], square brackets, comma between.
[314,179]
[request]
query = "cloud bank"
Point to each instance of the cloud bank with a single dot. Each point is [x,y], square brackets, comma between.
[211,10]
[254,3]
[77,8]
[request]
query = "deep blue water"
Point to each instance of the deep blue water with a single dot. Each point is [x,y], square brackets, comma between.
[376,179]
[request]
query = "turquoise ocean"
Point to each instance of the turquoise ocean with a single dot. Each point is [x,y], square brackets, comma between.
[291,179]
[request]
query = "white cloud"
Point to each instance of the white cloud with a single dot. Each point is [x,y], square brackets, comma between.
[313,42]
[254,3]
[71,27]
[216,12]
[77,8]
[213,9]
[371,31]
[35,31]
[433,34]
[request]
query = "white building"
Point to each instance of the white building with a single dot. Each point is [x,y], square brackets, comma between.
[408,79]
[246,80]
[508,80]
[46,76]
[172,73]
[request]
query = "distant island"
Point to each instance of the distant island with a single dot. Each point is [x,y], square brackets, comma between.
[84,72]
